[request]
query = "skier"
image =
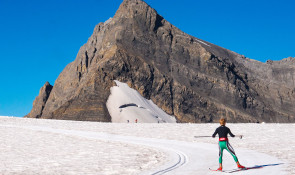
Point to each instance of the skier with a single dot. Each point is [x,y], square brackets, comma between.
[222,132]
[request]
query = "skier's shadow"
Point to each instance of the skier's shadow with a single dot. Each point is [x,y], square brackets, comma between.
[258,166]
[261,166]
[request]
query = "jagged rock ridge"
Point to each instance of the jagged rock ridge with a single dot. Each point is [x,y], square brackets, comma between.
[40,101]
[189,78]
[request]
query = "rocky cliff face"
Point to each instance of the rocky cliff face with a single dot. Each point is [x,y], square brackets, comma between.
[189,78]
[40,101]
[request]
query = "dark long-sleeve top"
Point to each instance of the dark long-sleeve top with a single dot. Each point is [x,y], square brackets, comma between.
[222,132]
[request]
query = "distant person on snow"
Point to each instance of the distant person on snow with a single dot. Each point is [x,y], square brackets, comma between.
[222,132]
[136,121]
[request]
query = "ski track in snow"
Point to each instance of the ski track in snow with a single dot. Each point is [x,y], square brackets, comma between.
[178,158]
[183,157]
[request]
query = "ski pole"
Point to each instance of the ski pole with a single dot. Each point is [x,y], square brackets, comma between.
[240,136]
[202,136]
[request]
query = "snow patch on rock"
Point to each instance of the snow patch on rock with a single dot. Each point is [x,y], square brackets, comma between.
[108,21]
[202,42]
[126,104]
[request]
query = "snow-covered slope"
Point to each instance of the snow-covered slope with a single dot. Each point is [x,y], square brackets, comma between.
[34,146]
[126,104]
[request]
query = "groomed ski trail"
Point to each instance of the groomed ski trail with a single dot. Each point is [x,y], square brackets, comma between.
[185,157]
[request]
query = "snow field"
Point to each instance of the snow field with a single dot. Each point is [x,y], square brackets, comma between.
[126,104]
[28,152]
[69,147]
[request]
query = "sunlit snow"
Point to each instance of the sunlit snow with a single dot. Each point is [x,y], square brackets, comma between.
[38,146]
[126,104]
[203,42]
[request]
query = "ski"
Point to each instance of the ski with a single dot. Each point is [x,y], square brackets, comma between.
[235,170]
[216,170]
[232,171]
[243,169]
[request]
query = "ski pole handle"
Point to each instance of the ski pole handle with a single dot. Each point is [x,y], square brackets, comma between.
[240,136]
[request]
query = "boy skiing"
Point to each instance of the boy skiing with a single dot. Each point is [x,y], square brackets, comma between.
[222,132]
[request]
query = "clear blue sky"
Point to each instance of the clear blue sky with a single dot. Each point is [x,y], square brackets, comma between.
[39,38]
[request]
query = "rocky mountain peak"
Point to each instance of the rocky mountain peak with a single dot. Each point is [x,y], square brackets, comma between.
[140,13]
[129,8]
[186,77]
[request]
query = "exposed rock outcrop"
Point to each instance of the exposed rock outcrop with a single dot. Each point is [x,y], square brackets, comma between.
[40,101]
[189,78]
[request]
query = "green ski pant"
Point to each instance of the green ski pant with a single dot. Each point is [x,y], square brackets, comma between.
[225,145]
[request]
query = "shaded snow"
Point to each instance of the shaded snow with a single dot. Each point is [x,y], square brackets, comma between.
[125,104]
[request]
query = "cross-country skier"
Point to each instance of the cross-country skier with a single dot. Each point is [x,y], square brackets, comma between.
[222,132]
